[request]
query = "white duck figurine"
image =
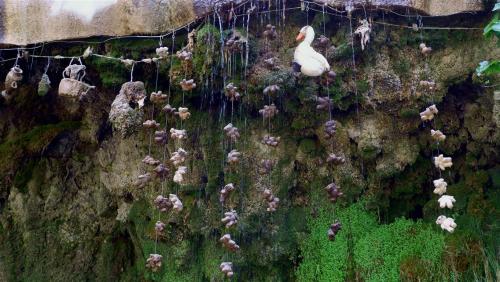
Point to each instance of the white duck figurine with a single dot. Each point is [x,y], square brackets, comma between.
[305,59]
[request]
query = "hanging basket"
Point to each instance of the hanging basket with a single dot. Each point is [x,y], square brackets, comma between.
[72,85]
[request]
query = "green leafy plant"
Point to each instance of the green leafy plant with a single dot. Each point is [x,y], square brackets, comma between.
[492,29]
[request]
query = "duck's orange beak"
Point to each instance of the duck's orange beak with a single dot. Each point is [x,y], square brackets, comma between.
[300,37]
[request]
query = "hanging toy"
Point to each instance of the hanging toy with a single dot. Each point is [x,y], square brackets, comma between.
[158,97]
[323,103]
[151,124]
[183,113]
[168,110]
[324,42]
[305,59]
[270,140]
[333,230]
[429,113]
[439,186]
[163,204]
[333,192]
[160,137]
[187,85]
[447,223]
[142,180]
[72,85]
[364,30]
[335,160]
[232,132]
[224,192]
[154,262]
[178,134]
[271,89]
[438,135]
[159,227]
[150,161]
[185,55]
[424,49]
[44,84]
[179,174]
[330,128]
[272,201]
[269,111]
[446,201]
[161,171]
[176,202]
[270,32]
[442,162]
[227,269]
[230,218]
[233,157]
[265,166]
[162,52]
[228,243]
[231,92]
[11,81]
[178,157]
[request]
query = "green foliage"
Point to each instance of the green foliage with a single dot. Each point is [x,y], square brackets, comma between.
[493,28]
[488,67]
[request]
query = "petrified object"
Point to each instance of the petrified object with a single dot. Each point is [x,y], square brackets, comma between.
[271,89]
[330,77]
[154,262]
[151,124]
[230,218]
[158,97]
[185,55]
[323,103]
[183,113]
[333,192]
[142,180]
[43,85]
[124,115]
[424,49]
[270,140]
[333,230]
[168,109]
[161,137]
[270,32]
[162,52]
[163,204]
[232,132]
[134,91]
[227,269]
[268,111]
[334,159]
[272,201]
[178,134]
[442,162]
[178,157]
[446,201]
[159,227]
[440,186]
[323,42]
[72,85]
[446,223]
[265,166]
[150,161]
[429,113]
[224,192]
[228,243]
[431,85]
[187,85]
[161,171]
[233,157]
[364,30]
[438,135]
[330,128]
[176,202]
[179,174]
[231,92]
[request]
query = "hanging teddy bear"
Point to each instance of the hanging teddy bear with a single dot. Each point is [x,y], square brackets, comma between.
[185,55]
[151,124]
[158,97]
[227,269]
[179,174]
[224,192]
[429,113]
[159,227]
[446,201]
[228,243]
[265,166]
[187,85]
[438,135]
[233,157]
[231,92]
[176,202]
[335,160]
[161,171]
[183,113]
[272,201]
[333,192]
[154,262]
[446,223]
[161,137]
[168,110]
[178,134]
[323,103]
[440,186]
[230,218]
[329,78]
[150,161]
[271,89]
[232,132]
[323,42]
[442,162]
[424,49]
[330,128]
[162,52]
[11,81]
[270,32]
[178,157]
[333,230]
[142,180]
[268,111]
[163,204]
[270,140]
[364,30]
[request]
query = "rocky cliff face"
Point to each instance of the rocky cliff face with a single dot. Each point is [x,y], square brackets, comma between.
[69,209]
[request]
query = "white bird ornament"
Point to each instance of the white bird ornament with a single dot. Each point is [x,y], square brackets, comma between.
[306,59]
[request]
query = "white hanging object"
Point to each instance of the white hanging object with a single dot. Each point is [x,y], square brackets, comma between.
[154,262]
[230,218]
[11,81]
[233,157]
[178,157]
[183,113]
[229,243]
[162,52]
[232,132]
[179,174]
[176,202]
[446,201]
[364,30]
[227,269]
[429,113]
[440,186]
[224,192]
[72,85]
[442,162]
[424,49]
[438,135]
[305,58]
[446,223]
[178,134]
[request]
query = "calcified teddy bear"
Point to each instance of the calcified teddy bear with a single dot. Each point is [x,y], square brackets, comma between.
[163,204]
[176,202]
[446,201]
[183,113]
[265,166]
[330,128]
[158,97]
[161,171]
[159,227]
[442,162]
[150,161]
[323,103]
[178,134]
[233,157]
[446,223]
[333,192]
[424,49]
[143,180]
[187,85]
[333,230]
[224,192]
[178,157]
[440,186]
[364,30]
[230,218]
[272,201]
[227,269]
[335,160]
[154,262]
[160,137]
[271,89]
[429,113]
[270,140]
[150,124]
[179,174]
[162,52]
[228,243]
[438,135]
[231,92]
[232,132]
[268,111]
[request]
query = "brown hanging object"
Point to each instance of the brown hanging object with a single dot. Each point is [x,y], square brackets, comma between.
[270,32]
[323,103]
[158,97]
[424,49]
[161,171]
[178,134]
[270,140]
[183,113]
[150,161]
[233,157]
[268,111]
[265,166]
[330,128]
[224,192]
[142,180]
[187,85]
[232,132]
[159,227]
[154,262]
[230,218]
[72,85]
[178,157]
[11,81]
[333,230]
[161,137]
[429,113]
[150,124]
[272,201]
[228,243]
[232,93]
[163,204]
[168,110]
[335,160]
[438,135]
[333,192]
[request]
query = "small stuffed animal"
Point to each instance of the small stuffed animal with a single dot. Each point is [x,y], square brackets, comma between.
[333,230]
[446,201]
[142,180]
[183,113]
[233,157]
[442,162]
[179,174]
[440,186]
[438,135]
[265,166]
[178,157]
[230,218]
[163,204]
[160,137]
[231,92]
[150,124]
[447,223]
[323,103]
[150,161]
[187,85]
[228,243]
[227,269]
[270,32]
[272,201]
[159,227]
[224,192]
[232,132]
[424,49]
[178,134]
[268,111]
[429,113]
[162,52]
[270,140]
[271,89]
[161,171]
[154,262]
[333,192]
[158,97]
[330,128]
[334,159]
[176,202]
